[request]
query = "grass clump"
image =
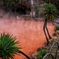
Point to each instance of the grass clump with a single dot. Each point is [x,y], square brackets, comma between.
[41,53]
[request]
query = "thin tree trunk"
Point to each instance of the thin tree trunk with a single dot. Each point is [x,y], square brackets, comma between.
[45,29]
[24,54]
[32,9]
[45,23]
[48,33]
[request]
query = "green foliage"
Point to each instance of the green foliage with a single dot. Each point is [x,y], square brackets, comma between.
[57,5]
[39,10]
[56,27]
[12,2]
[8,3]
[8,46]
[50,11]
[41,53]
[13,5]
[47,1]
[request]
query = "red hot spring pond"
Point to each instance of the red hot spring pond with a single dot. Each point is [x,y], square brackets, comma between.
[29,33]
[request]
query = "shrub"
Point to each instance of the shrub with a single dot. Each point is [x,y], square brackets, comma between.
[16,5]
[41,53]
[56,27]
[8,46]
[50,11]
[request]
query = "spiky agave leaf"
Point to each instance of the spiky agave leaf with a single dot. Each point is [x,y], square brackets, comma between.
[8,46]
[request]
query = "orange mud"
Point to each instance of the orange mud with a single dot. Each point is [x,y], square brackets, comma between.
[28,32]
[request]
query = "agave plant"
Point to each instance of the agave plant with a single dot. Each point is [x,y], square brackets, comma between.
[8,46]
[50,11]
[41,53]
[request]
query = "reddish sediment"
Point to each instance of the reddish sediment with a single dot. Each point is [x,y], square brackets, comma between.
[29,33]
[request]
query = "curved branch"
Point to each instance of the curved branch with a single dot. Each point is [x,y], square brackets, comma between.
[24,54]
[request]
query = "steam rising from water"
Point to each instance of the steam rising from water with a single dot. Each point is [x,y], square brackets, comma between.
[28,32]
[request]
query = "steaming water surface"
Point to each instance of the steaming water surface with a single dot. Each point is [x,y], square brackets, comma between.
[28,32]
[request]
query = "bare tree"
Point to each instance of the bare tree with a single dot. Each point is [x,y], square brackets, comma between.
[32,9]
[24,54]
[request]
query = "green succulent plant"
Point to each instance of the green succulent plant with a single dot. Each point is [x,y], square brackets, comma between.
[41,53]
[50,11]
[56,27]
[8,46]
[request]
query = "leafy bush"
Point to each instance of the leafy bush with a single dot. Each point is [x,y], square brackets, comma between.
[50,11]
[16,5]
[41,53]
[8,46]
[56,27]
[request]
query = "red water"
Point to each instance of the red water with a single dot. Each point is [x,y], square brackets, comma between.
[28,32]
